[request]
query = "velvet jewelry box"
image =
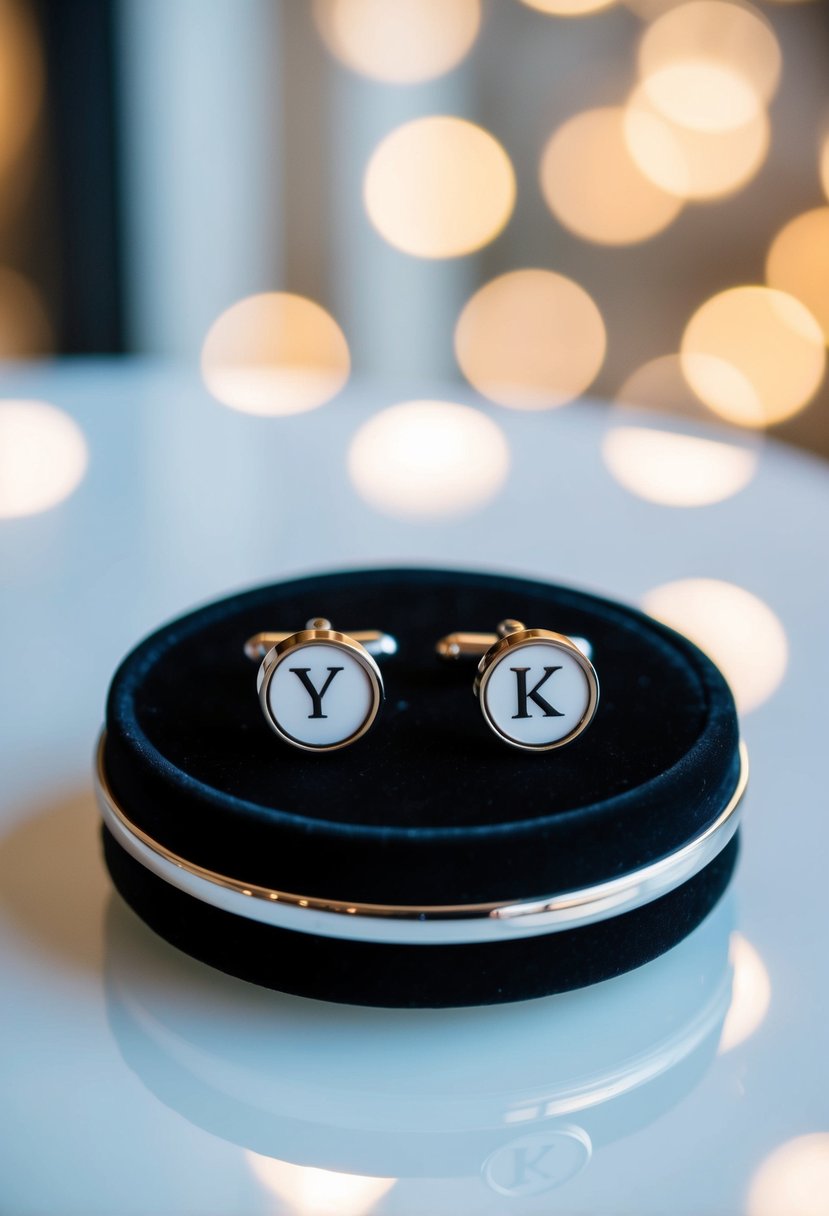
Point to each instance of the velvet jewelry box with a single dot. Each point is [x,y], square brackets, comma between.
[428,864]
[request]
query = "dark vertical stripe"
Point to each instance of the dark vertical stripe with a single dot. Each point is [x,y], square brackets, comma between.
[79,51]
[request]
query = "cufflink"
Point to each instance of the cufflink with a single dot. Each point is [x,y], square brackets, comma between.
[320,689]
[537,689]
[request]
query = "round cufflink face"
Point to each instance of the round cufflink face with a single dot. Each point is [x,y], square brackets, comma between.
[319,690]
[537,690]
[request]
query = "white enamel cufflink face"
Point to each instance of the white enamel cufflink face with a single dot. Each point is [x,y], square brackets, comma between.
[537,689]
[319,689]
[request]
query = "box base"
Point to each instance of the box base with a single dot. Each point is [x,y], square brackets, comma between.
[405,976]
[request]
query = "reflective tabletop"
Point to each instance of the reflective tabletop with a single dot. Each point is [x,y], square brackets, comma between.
[136,1080]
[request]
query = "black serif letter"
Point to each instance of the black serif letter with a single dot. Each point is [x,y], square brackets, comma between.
[533,695]
[316,697]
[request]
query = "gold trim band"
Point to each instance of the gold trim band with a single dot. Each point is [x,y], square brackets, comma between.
[430,923]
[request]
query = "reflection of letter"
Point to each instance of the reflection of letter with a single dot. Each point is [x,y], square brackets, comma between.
[533,694]
[316,697]
[524,1164]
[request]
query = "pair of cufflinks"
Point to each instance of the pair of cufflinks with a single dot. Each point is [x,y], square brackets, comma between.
[321,690]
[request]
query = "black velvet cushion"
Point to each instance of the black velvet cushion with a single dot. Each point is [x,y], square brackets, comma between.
[429,807]
[371,973]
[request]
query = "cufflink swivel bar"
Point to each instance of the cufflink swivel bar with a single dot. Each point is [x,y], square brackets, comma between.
[374,641]
[465,645]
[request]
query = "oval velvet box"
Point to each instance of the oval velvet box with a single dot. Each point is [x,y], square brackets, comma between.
[428,809]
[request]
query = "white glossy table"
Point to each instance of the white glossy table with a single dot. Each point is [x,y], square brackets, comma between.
[136,1081]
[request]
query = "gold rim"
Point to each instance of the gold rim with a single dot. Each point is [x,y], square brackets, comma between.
[536,637]
[340,641]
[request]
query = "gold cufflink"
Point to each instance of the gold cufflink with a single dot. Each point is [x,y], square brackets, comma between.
[320,689]
[538,690]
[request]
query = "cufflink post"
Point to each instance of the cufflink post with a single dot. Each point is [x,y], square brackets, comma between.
[377,643]
[465,645]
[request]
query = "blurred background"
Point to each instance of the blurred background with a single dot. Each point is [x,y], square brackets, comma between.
[539,197]
[236,238]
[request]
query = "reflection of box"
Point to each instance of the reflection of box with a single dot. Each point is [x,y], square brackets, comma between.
[473,1095]
[428,864]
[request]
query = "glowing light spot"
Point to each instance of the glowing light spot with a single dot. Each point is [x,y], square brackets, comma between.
[726,390]
[594,187]
[754,355]
[735,628]
[798,263]
[568,8]
[660,385]
[315,1192]
[702,96]
[428,459]
[693,164]
[25,328]
[662,465]
[750,994]
[824,167]
[710,65]
[43,457]
[793,1180]
[530,339]
[676,470]
[275,353]
[400,43]
[439,187]
[21,80]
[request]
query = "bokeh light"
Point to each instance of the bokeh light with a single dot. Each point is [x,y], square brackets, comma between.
[43,457]
[400,43]
[798,262]
[595,188]
[275,353]
[710,65]
[693,164]
[793,1180]
[676,470]
[439,187]
[568,8]
[21,80]
[25,328]
[530,339]
[654,447]
[702,96]
[750,994]
[824,166]
[428,459]
[735,628]
[316,1192]
[754,355]
[660,385]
